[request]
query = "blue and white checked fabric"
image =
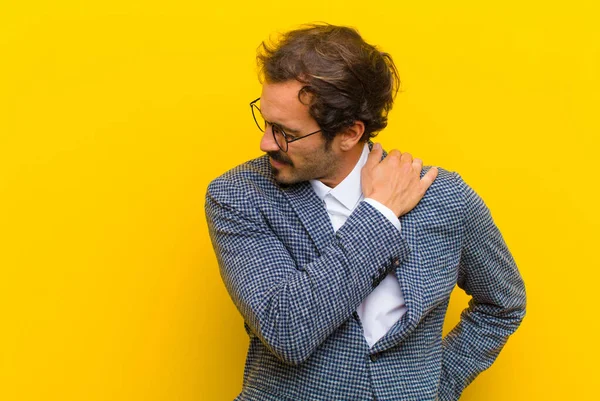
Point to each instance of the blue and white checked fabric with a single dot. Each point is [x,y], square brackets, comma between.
[297,285]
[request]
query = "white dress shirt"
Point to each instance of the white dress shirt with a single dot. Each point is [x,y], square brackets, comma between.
[385,305]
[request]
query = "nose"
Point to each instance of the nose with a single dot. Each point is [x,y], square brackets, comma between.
[267,142]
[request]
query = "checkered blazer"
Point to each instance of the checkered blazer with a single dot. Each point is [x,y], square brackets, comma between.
[297,285]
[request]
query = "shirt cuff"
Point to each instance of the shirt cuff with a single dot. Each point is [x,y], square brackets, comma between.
[386,211]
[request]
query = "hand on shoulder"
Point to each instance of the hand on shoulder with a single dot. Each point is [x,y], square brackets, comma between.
[395,181]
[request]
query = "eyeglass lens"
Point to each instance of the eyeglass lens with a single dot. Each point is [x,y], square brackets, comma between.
[278,135]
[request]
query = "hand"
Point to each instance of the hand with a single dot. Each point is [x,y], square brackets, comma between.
[395,182]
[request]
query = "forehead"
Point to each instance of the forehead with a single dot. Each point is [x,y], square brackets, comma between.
[279,103]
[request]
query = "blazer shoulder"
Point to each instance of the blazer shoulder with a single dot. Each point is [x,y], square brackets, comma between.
[255,172]
[450,196]
[447,183]
[444,200]
[249,184]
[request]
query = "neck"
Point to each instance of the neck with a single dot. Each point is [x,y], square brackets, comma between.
[345,165]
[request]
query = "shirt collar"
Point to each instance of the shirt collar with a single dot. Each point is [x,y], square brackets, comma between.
[349,191]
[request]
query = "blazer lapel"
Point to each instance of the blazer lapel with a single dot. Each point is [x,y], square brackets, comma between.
[312,213]
[411,283]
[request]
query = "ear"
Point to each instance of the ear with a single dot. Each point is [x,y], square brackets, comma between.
[351,135]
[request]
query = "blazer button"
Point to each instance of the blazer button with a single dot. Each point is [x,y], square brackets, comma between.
[396,262]
[373,357]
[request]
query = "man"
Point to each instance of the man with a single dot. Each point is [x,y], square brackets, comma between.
[340,258]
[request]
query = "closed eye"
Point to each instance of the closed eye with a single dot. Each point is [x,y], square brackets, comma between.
[277,127]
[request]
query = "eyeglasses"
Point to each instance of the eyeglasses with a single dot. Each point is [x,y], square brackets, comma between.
[281,138]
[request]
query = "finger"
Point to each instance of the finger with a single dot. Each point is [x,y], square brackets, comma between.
[406,158]
[374,156]
[428,178]
[417,165]
[394,155]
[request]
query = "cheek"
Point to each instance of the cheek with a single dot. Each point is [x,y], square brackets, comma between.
[310,158]
[301,160]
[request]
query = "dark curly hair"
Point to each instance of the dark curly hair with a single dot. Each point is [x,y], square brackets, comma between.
[348,79]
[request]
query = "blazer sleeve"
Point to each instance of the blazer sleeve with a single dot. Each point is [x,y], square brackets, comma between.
[489,274]
[293,308]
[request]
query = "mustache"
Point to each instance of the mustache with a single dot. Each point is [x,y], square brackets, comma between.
[280,157]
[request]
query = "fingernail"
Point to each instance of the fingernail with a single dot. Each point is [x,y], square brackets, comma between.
[377,146]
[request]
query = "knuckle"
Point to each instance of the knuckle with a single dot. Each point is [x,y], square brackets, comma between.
[394,153]
[406,167]
[392,159]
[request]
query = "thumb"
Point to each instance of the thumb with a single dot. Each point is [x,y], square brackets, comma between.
[374,156]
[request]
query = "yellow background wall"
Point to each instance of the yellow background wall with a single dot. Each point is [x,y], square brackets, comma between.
[115,115]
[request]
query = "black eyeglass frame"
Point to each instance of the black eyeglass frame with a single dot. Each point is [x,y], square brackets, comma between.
[285,136]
